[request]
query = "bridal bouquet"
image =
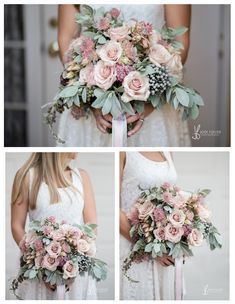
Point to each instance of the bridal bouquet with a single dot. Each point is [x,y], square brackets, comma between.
[57,253]
[166,220]
[119,66]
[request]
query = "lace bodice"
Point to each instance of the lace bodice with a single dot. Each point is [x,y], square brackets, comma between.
[140,172]
[70,207]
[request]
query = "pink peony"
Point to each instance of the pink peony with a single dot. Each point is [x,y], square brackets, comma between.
[177,218]
[50,263]
[145,209]
[83,246]
[136,87]
[118,33]
[70,270]
[173,234]
[54,249]
[195,238]
[104,75]
[110,53]
[159,215]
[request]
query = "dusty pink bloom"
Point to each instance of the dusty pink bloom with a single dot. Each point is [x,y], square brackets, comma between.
[86,75]
[47,230]
[159,233]
[159,215]
[57,235]
[115,13]
[177,189]
[38,245]
[66,248]
[173,234]
[145,209]
[83,246]
[38,261]
[133,216]
[187,230]
[129,50]
[167,197]
[189,215]
[166,185]
[118,33]
[177,218]
[110,53]
[54,249]
[103,24]
[51,219]
[50,263]
[122,71]
[70,270]
[63,222]
[87,47]
[104,75]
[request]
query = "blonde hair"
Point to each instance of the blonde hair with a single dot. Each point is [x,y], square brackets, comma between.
[48,167]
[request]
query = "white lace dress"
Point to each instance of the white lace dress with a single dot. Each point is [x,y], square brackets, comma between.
[155,281]
[162,128]
[69,209]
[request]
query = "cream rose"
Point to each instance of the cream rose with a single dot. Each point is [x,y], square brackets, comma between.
[195,238]
[54,249]
[145,209]
[86,75]
[203,212]
[136,87]
[104,75]
[50,263]
[159,55]
[118,33]
[83,246]
[154,38]
[92,251]
[70,270]
[159,233]
[177,218]
[175,66]
[173,234]
[110,53]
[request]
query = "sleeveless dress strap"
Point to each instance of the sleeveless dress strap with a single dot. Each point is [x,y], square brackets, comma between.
[77,179]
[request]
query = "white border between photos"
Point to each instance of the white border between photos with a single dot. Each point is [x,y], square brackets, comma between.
[116,150]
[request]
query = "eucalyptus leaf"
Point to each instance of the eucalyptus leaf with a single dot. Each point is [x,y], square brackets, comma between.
[194,111]
[102,40]
[182,96]
[77,100]
[68,92]
[84,94]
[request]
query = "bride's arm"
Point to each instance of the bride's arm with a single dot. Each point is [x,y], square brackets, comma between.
[89,211]
[124,223]
[67,27]
[19,210]
[176,16]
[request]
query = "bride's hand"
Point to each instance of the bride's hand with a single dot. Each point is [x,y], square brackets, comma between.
[166,260]
[138,119]
[102,121]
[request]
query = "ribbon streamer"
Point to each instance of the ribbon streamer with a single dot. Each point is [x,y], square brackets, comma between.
[178,278]
[119,131]
[60,292]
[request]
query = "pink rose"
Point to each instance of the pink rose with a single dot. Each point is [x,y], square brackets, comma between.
[50,263]
[167,197]
[159,55]
[51,219]
[54,249]
[66,248]
[159,233]
[115,13]
[110,53]
[92,251]
[195,238]
[70,270]
[203,212]
[57,235]
[179,201]
[83,246]
[136,87]
[175,66]
[38,261]
[145,209]
[177,218]
[86,75]
[47,230]
[104,75]
[173,234]
[118,33]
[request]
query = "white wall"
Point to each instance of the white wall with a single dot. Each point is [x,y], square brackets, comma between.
[100,167]
[207,273]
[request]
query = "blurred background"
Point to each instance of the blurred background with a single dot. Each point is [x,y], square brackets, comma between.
[93,163]
[32,70]
[206,275]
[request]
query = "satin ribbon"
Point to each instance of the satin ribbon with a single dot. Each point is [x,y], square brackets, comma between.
[60,292]
[178,278]
[119,131]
